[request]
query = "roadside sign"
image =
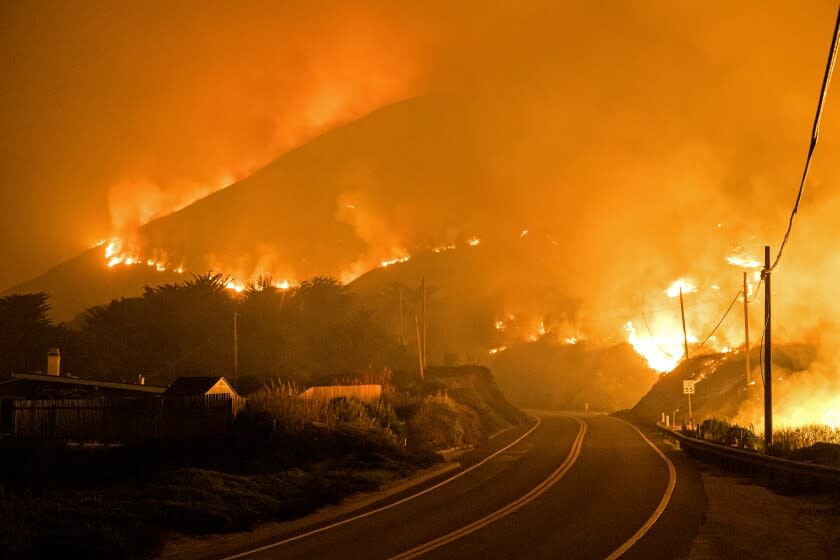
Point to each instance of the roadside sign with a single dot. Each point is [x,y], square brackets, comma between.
[688,387]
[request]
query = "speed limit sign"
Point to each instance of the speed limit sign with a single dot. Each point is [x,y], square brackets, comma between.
[688,387]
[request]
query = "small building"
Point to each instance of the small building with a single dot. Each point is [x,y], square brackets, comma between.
[195,386]
[205,387]
[54,386]
[365,393]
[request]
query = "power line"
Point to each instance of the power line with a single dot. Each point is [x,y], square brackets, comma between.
[815,134]
[714,330]
[653,338]
[731,305]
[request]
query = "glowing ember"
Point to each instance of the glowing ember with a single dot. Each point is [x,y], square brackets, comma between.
[524,233]
[443,248]
[284,285]
[497,350]
[473,241]
[500,325]
[571,340]
[674,289]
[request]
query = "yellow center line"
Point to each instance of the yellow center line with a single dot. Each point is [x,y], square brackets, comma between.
[663,503]
[505,510]
[383,508]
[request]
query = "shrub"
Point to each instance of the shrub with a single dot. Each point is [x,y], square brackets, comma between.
[439,422]
[721,431]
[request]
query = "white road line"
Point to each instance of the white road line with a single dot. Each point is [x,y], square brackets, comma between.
[383,508]
[537,491]
[663,503]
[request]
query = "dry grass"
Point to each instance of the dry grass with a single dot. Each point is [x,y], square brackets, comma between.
[290,413]
[792,439]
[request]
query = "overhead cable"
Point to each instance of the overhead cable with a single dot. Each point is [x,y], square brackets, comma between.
[815,134]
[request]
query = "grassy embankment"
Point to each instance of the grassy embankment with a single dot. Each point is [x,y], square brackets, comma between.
[813,443]
[286,457]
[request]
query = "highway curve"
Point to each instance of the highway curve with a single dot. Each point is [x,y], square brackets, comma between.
[585,486]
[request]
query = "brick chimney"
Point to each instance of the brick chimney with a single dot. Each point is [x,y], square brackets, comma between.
[53,362]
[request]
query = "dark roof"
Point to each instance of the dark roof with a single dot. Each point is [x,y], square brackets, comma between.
[64,380]
[184,386]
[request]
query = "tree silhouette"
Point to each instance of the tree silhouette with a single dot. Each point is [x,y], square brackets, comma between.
[26,332]
[317,328]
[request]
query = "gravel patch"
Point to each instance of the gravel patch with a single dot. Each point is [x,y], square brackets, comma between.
[745,520]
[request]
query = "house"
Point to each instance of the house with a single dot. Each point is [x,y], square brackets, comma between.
[34,404]
[53,386]
[184,387]
[194,386]
[366,393]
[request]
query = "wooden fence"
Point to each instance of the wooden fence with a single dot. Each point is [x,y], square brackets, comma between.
[122,420]
[367,393]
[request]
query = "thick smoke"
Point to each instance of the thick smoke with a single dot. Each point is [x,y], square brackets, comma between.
[170,101]
[646,141]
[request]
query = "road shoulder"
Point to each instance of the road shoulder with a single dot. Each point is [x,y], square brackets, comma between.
[746,520]
[214,546]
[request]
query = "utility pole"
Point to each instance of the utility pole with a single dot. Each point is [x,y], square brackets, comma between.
[419,348]
[685,335]
[402,324]
[423,287]
[690,413]
[746,330]
[768,355]
[235,351]
[685,343]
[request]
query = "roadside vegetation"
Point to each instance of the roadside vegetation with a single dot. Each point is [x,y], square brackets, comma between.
[286,457]
[814,443]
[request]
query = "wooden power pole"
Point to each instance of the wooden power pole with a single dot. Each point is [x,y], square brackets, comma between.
[768,355]
[235,351]
[402,322]
[746,330]
[419,348]
[425,355]
[685,334]
[685,343]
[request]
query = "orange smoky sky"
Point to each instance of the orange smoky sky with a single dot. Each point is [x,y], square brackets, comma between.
[115,112]
[628,130]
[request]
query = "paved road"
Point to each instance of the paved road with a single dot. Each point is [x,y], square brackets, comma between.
[566,487]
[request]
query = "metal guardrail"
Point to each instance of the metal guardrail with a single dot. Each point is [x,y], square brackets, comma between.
[775,470]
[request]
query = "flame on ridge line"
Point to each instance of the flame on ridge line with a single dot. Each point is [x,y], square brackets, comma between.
[116,253]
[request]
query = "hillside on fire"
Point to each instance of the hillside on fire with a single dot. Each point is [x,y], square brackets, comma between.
[306,213]
[722,390]
[408,211]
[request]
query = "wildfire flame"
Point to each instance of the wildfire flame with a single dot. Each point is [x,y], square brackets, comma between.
[743,261]
[395,260]
[662,352]
[443,248]
[674,289]
[235,286]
